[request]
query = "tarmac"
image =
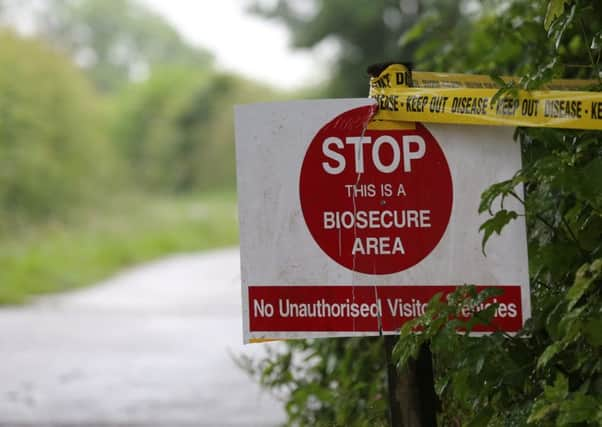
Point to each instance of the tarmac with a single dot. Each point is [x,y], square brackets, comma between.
[152,346]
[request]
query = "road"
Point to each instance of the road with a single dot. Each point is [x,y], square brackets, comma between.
[152,346]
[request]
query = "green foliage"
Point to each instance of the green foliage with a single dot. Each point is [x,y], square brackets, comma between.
[475,377]
[116,41]
[365,32]
[327,382]
[555,9]
[71,160]
[496,224]
[510,38]
[129,228]
[53,153]
[550,373]
[177,131]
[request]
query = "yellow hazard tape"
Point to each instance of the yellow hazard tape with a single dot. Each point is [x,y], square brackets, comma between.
[469,99]
[262,340]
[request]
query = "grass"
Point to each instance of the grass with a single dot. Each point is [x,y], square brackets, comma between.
[61,256]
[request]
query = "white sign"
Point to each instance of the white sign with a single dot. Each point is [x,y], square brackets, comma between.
[348,227]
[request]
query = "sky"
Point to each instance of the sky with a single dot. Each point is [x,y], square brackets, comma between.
[243,42]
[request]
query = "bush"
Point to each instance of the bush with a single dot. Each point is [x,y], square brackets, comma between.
[53,151]
[177,131]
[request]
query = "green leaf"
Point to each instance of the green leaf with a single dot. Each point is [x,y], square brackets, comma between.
[480,364]
[501,189]
[481,419]
[550,351]
[426,23]
[592,330]
[578,408]
[540,410]
[583,280]
[553,319]
[559,27]
[555,9]
[495,225]
[486,316]
[551,399]
[559,390]
[497,80]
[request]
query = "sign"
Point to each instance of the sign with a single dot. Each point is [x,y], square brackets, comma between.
[385,196]
[473,100]
[349,226]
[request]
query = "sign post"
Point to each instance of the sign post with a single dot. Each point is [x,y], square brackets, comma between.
[353,214]
[412,398]
[350,225]
[413,402]
[393,385]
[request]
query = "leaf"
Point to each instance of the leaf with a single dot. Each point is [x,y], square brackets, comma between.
[495,225]
[489,293]
[596,42]
[503,189]
[589,188]
[555,9]
[507,88]
[486,316]
[482,418]
[550,351]
[558,28]
[550,400]
[583,280]
[578,408]
[552,320]
[540,410]
[480,364]
[408,346]
[592,330]
[441,384]
[497,80]
[559,390]
[416,32]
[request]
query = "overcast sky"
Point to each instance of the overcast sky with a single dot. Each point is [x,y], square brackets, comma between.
[243,42]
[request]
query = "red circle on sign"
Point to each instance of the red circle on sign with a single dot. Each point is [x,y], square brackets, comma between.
[376,201]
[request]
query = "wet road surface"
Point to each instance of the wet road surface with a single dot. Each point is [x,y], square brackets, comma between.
[150,347]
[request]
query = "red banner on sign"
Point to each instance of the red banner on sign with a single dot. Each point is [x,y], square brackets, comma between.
[361,308]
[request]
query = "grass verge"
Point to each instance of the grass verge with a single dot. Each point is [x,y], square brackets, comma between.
[127,230]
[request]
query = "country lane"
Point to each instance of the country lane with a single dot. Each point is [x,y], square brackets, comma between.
[150,347]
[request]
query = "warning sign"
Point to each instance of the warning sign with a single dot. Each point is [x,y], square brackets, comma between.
[385,196]
[349,226]
[473,100]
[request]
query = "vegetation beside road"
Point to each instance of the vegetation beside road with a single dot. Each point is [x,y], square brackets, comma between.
[116,143]
[61,255]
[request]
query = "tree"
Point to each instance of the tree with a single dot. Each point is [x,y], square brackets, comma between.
[176,130]
[53,148]
[116,41]
[366,32]
[360,30]
[550,374]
